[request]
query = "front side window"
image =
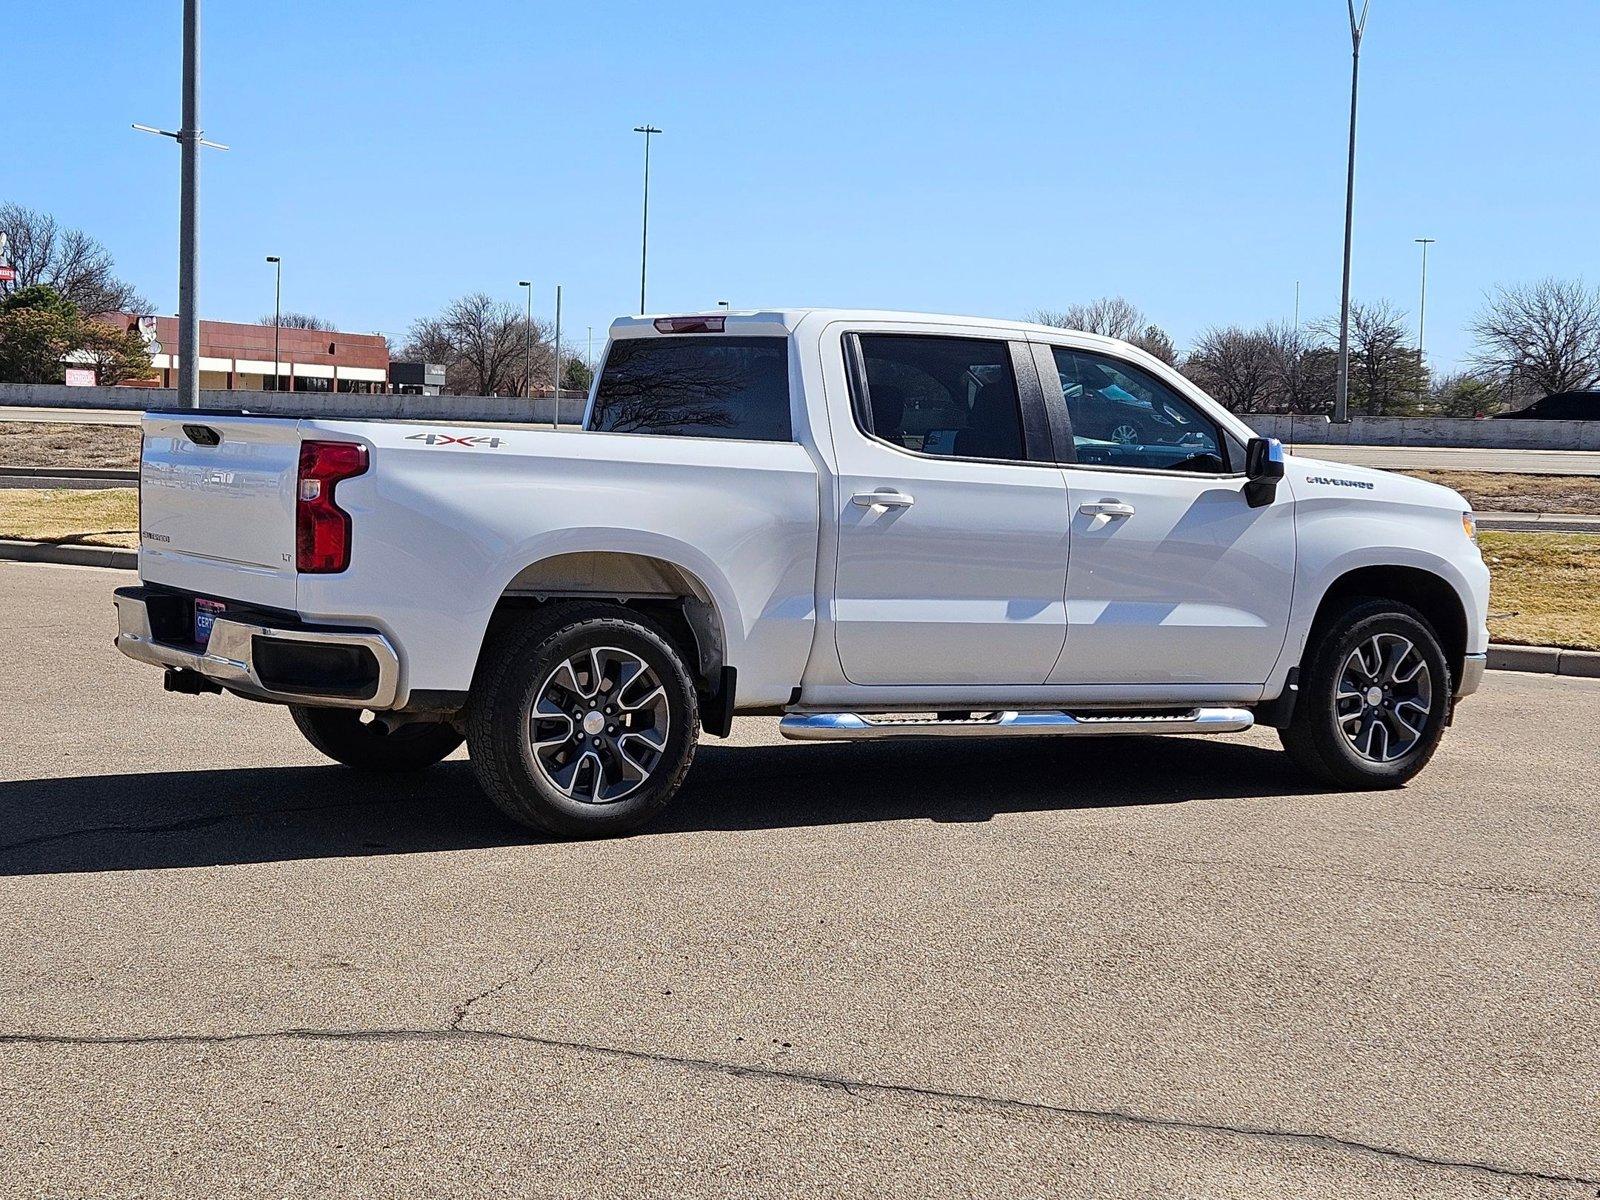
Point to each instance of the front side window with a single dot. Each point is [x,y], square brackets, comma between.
[1124,417]
[953,397]
[709,386]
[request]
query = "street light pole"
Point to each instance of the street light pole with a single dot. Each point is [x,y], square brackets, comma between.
[527,344]
[189,142]
[1422,304]
[1341,400]
[644,236]
[277,318]
[556,421]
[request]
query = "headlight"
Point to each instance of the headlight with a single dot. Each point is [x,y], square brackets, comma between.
[1469,522]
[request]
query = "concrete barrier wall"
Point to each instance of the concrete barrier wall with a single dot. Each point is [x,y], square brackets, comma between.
[330,404]
[1305,431]
[1429,431]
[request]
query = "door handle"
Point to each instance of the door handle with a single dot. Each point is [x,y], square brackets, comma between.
[1107,508]
[883,498]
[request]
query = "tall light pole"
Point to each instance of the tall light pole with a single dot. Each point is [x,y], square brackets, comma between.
[556,421]
[277,317]
[1422,303]
[527,333]
[1341,399]
[189,140]
[649,131]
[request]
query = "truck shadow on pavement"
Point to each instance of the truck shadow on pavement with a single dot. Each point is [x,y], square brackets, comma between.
[270,814]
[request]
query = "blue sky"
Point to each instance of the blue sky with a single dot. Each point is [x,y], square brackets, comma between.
[985,158]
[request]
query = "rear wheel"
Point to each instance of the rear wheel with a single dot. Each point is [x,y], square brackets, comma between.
[1374,698]
[583,720]
[370,745]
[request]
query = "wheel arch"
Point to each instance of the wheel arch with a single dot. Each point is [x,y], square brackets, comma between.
[671,594]
[1429,592]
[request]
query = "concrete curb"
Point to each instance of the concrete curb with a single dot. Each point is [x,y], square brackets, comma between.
[1545,660]
[115,557]
[70,472]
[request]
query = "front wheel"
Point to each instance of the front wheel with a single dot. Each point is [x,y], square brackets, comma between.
[369,745]
[1374,698]
[583,720]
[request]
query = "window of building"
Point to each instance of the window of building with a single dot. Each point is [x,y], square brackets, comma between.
[709,386]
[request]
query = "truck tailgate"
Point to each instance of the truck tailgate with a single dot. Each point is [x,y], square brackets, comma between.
[217,505]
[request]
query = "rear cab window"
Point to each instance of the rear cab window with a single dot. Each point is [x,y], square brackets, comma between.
[707,386]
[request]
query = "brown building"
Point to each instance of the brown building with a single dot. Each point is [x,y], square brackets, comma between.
[234,355]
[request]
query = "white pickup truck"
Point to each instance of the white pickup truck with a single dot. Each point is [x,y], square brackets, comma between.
[874,525]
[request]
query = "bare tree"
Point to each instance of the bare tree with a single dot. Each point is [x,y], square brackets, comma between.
[1302,370]
[1112,317]
[298,320]
[1109,316]
[1546,335]
[1385,376]
[482,343]
[77,266]
[1238,367]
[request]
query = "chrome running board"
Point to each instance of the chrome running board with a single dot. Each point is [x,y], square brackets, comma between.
[854,727]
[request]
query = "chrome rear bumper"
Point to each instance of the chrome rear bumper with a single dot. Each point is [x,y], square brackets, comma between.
[232,656]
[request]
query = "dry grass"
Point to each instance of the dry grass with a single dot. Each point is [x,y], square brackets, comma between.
[104,517]
[1544,588]
[24,444]
[1489,491]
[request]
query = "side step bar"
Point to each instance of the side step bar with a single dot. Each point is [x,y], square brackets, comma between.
[853,727]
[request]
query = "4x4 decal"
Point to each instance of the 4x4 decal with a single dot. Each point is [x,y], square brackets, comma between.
[455,439]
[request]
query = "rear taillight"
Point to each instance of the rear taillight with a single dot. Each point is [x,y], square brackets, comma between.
[322,528]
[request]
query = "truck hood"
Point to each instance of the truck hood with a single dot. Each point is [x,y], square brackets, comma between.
[1313,478]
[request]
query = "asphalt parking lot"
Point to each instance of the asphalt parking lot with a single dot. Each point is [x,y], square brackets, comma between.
[1112,968]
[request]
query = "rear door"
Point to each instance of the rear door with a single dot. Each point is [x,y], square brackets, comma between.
[952,549]
[217,505]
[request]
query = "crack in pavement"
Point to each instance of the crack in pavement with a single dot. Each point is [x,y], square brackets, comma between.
[185,825]
[462,1009]
[853,1087]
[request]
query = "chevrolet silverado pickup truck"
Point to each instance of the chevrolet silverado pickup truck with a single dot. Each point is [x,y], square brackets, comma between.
[869,524]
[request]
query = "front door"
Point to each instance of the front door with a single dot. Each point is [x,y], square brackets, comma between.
[1174,578]
[952,517]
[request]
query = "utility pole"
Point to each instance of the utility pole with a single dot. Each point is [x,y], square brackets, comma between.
[527,340]
[1422,304]
[555,422]
[1341,399]
[277,319]
[649,131]
[189,141]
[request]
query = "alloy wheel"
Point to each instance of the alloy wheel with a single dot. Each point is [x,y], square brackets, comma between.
[1384,697]
[598,725]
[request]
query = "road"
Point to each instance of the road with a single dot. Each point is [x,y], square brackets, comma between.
[1114,968]
[1440,458]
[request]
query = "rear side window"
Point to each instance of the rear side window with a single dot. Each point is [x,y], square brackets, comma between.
[713,387]
[953,397]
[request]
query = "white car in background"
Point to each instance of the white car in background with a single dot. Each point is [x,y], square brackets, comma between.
[874,525]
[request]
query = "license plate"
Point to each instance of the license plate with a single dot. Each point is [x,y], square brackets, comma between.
[205,615]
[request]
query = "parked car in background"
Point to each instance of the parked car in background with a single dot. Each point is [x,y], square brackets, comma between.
[1561,406]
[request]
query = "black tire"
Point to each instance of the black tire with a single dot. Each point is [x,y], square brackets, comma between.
[521,665]
[1316,735]
[343,736]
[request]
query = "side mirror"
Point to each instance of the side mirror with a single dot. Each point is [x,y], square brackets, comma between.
[1263,467]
